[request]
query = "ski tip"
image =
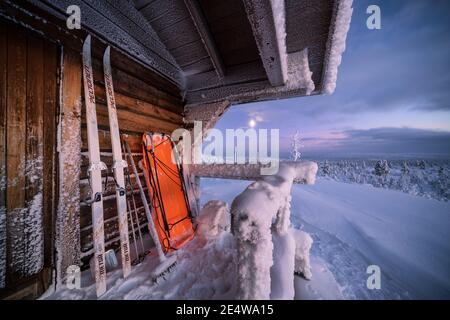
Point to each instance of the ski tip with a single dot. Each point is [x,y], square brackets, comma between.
[107,53]
[87,42]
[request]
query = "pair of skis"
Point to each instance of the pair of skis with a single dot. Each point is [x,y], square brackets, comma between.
[96,167]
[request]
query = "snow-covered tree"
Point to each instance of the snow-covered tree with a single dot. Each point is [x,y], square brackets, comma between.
[381,168]
[405,168]
[421,164]
[326,168]
[296,145]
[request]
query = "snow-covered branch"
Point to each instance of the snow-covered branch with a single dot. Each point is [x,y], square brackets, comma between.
[305,171]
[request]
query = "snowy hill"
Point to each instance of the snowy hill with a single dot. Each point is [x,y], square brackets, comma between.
[428,178]
[354,226]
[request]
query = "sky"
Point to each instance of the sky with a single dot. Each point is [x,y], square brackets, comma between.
[392,95]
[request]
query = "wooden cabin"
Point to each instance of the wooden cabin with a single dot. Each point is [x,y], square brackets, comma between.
[173,61]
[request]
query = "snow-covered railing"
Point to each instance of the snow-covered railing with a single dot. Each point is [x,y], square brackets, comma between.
[250,171]
[260,215]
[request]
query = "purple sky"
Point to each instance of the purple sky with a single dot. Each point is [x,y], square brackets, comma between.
[392,95]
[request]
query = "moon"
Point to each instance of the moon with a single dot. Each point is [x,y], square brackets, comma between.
[252,123]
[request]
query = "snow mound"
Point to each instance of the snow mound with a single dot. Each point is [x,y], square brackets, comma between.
[303,243]
[214,218]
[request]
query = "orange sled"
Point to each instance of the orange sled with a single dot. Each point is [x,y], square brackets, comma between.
[167,191]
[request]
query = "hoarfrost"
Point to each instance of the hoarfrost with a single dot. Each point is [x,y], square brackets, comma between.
[253,213]
[2,178]
[27,241]
[279,18]
[299,74]
[336,43]
[2,246]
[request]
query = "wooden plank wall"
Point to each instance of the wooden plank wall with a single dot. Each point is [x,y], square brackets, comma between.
[28,92]
[145,102]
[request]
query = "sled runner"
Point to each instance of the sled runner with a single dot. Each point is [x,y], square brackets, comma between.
[164,178]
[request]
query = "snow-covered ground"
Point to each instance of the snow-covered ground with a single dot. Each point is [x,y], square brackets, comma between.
[354,226]
[204,270]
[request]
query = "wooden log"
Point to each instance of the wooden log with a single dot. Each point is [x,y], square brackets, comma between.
[109,211]
[140,106]
[131,86]
[130,121]
[135,140]
[110,189]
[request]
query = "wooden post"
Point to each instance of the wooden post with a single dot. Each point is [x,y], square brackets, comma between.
[208,114]
[68,215]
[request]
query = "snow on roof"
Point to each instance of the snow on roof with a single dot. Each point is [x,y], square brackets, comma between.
[279,18]
[339,27]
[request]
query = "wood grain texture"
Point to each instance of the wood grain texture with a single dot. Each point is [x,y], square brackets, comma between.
[15,141]
[49,138]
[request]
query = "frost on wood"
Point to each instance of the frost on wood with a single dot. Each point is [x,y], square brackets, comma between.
[305,171]
[279,17]
[340,25]
[2,246]
[267,19]
[253,213]
[25,224]
[118,23]
[299,74]
[303,243]
[67,220]
[208,114]
[27,240]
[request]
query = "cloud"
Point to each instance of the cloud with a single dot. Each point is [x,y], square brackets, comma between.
[390,78]
[382,140]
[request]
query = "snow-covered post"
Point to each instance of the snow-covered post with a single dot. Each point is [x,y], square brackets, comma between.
[208,115]
[253,213]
